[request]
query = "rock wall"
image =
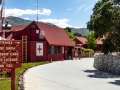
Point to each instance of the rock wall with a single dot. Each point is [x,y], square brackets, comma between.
[107,63]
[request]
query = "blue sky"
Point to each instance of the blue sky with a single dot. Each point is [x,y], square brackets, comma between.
[64,13]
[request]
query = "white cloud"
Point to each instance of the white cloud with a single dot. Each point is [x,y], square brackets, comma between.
[26,18]
[88,7]
[81,7]
[60,22]
[20,12]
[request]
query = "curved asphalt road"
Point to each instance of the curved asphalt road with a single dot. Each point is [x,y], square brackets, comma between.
[70,75]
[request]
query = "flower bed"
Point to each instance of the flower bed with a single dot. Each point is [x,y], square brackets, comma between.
[107,63]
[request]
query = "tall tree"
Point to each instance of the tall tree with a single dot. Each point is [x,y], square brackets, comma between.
[68,28]
[91,41]
[71,36]
[105,20]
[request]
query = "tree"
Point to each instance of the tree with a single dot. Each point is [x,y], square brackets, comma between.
[68,28]
[105,21]
[71,36]
[77,34]
[91,41]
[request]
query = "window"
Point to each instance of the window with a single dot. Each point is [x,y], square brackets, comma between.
[57,49]
[54,50]
[51,50]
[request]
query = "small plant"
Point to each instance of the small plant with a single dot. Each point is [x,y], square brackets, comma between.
[5,72]
[87,50]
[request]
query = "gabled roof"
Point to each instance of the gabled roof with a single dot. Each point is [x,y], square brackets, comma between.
[82,39]
[55,35]
[15,28]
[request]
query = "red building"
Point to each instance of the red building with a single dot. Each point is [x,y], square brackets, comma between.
[44,41]
[81,41]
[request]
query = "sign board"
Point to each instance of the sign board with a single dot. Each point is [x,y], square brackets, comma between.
[10,42]
[39,49]
[11,65]
[6,60]
[10,57]
[10,48]
[10,51]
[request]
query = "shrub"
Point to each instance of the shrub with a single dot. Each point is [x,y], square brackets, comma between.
[87,50]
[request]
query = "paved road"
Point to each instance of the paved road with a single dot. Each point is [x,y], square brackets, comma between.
[70,75]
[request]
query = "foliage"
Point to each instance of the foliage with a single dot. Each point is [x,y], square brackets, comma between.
[68,28]
[87,50]
[5,84]
[105,21]
[71,36]
[91,41]
[77,34]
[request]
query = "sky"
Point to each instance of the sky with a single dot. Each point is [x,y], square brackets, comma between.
[63,13]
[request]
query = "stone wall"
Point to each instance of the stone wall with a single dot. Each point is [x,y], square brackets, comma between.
[107,63]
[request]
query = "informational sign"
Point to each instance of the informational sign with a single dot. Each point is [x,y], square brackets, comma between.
[11,57]
[10,42]
[39,49]
[10,51]
[16,65]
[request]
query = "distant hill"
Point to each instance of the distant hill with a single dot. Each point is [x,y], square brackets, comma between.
[17,21]
[82,31]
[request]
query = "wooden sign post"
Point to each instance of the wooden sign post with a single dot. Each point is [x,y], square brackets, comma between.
[10,57]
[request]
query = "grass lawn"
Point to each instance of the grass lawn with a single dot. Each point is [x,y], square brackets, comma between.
[6,83]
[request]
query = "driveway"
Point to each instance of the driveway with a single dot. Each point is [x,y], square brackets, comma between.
[70,75]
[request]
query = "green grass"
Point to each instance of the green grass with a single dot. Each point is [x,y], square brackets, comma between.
[6,83]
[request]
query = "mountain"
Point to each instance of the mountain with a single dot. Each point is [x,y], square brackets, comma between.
[82,31]
[17,21]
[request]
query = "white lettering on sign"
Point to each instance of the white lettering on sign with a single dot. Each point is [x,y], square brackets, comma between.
[10,48]
[1,66]
[1,48]
[9,65]
[14,54]
[4,54]
[6,42]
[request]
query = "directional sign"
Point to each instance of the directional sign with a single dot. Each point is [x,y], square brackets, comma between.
[10,54]
[2,60]
[15,65]
[10,42]
[10,48]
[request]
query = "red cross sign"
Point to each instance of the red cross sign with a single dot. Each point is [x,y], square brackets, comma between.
[39,48]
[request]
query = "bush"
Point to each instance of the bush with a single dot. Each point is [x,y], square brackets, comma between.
[87,50]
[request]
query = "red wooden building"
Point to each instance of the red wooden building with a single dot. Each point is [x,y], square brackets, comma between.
[44,41]
[81,41]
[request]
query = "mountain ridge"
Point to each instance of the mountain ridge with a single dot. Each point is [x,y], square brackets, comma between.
[19,21]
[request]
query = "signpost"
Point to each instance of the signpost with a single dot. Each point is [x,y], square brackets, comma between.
[11,57]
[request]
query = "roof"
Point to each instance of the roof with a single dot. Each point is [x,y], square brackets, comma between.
[82,39]
[15,28]
[55,35]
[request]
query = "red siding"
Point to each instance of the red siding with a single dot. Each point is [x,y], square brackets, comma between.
[56,56]
[32,52]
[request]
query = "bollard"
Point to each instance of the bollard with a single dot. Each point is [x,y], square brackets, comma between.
[62,59]
[51,60]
